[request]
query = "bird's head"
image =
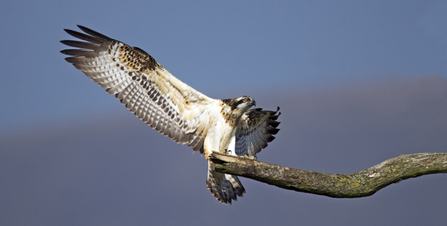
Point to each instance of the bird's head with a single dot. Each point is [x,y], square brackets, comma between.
[238,106]
[234,108]
[242,104]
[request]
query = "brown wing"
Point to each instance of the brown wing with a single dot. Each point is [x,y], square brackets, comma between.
[255,130]
[141,84]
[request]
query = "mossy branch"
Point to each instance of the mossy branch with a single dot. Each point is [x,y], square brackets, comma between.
[360,184]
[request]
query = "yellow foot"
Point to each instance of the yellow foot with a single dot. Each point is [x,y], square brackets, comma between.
[248,157]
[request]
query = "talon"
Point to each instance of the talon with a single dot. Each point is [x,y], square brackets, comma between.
[248,157]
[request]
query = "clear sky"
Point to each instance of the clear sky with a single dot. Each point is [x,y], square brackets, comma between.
[355,79]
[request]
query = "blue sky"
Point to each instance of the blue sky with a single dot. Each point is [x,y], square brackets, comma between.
[378,66]
[240,45]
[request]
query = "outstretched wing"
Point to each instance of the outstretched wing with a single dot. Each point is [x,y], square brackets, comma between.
[141,84]
[255,130]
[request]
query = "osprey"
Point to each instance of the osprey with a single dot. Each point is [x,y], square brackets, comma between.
[173,108]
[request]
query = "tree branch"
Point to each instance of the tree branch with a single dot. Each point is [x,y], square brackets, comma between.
[360,184]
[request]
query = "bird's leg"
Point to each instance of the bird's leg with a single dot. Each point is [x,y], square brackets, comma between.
[231,150]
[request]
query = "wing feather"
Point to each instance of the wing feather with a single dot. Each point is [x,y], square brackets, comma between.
[255,131]
[83,45]
[141,84]
[99,38]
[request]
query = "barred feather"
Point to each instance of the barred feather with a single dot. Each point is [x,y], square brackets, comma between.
[133,77]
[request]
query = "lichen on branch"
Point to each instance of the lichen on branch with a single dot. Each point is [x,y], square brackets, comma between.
[360,184]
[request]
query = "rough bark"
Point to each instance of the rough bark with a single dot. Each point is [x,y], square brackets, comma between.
[360,184]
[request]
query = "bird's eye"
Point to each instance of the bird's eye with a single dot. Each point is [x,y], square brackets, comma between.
[246,100]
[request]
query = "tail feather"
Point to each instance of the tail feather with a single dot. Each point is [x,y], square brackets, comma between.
[225,187]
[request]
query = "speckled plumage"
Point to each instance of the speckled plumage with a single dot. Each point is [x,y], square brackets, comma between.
[173,108]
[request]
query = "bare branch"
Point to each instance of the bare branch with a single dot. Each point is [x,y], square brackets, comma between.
[360,184]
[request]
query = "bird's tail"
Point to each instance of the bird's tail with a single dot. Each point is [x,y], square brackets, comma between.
[225,187]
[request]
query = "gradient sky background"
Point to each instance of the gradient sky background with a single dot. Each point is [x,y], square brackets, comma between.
[357,83]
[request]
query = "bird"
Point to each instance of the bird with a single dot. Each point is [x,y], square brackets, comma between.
[173,108]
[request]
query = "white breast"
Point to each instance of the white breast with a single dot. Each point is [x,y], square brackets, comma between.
[219,137]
